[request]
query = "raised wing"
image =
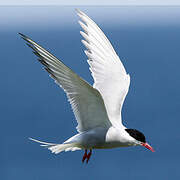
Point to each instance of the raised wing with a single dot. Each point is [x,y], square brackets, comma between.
[86,102]
[109,74]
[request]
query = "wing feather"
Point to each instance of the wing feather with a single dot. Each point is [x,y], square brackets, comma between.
[109,74]
[86,101]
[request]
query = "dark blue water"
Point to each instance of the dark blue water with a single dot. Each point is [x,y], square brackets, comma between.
[147,40]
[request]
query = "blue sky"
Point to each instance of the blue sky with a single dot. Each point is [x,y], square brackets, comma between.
[21,17]
[146,39]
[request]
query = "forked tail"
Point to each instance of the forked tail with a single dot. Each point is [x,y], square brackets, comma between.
[57,148]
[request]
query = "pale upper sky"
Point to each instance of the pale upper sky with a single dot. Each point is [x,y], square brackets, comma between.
[90,2]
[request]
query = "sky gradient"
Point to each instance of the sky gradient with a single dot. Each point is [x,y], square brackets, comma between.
[91,2]
[146,39]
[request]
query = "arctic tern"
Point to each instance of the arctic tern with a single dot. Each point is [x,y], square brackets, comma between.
[97,108]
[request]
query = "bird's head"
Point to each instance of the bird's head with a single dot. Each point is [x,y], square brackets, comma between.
[139,138]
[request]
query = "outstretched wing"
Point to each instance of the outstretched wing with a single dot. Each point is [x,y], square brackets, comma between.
[86,102]
[109,74]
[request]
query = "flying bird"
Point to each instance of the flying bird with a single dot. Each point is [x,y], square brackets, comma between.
[97,108]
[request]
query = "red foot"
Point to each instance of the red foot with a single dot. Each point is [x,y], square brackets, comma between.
[87,156]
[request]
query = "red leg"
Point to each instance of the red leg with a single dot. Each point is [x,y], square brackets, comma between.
[85,155]
[88,156]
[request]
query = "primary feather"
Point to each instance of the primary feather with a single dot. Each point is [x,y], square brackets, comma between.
[109,74]
[86,101]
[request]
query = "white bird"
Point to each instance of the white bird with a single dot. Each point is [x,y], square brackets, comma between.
[97,108]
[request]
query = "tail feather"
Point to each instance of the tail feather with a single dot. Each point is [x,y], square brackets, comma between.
[45,144]
[57,148]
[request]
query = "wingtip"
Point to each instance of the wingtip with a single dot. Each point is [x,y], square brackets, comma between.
[78,10]
[22,35]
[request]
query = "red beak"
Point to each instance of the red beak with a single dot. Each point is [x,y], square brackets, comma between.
[147,146]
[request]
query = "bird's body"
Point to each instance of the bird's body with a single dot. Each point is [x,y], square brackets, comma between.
[101,138]
[97,108]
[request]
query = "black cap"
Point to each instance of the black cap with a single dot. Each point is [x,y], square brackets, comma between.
[136,135]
